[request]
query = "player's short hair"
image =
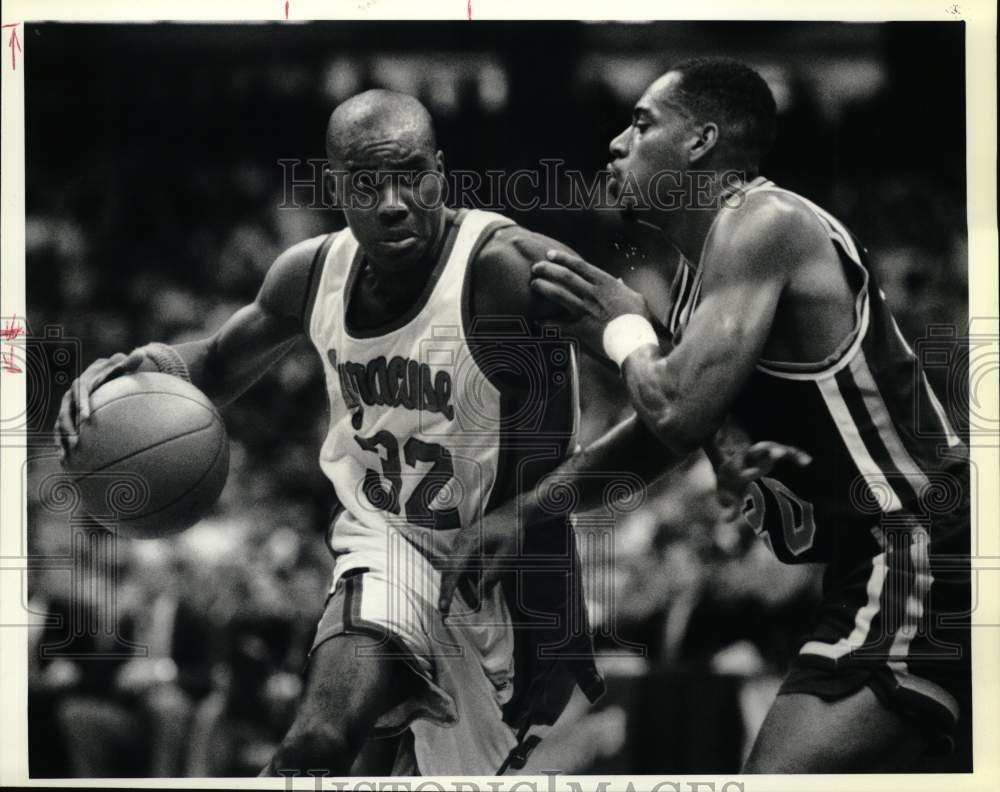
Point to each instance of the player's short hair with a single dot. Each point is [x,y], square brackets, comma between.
[405,115]
[732,95]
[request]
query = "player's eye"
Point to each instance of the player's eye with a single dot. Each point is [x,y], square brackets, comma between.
[363,180]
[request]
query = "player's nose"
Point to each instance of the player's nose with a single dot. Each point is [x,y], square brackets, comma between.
[619,145]
[391,208]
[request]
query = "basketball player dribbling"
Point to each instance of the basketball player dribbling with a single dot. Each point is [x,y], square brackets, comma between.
[776,320]
[446,396]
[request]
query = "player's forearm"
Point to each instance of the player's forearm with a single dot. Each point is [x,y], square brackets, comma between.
[228,362]
[224,377]
[219,376]
[627,457]
[677,416]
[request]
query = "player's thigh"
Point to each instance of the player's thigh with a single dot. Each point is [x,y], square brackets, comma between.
[349,686]
[806,734]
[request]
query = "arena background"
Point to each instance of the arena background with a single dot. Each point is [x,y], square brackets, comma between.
[155,203]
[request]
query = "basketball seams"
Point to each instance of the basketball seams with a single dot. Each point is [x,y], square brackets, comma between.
[209,408]
[208,470]
[148,448]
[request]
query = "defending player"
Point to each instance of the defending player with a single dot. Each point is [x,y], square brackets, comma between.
[776,318]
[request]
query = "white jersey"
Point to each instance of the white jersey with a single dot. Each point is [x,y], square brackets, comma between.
[414,433]
[427,430]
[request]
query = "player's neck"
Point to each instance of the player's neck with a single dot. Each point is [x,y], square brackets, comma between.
[688,228]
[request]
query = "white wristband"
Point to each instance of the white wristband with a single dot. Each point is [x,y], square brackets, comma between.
[625,334]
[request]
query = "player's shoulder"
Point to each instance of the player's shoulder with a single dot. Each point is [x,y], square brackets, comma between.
[513,246]
[770,225]
[291,280]
[501,273]
[300,256]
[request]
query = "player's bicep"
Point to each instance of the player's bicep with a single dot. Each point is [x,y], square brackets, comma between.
[505,275]
[685,395]
[257,335]
[724,340]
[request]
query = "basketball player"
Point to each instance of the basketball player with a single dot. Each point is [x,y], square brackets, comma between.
[446,396]
[776,318]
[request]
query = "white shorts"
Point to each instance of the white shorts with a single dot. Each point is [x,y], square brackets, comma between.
[465,662]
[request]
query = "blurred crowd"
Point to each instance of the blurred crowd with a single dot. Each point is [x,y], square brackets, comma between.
[153,211]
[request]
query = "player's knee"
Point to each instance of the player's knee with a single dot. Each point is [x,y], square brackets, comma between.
[314,747]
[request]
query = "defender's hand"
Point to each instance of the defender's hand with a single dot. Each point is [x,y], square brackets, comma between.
[476,558]
[739,470]
[592,297]
[75,407]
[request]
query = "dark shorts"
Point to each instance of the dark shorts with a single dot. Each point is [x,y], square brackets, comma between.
[898,623]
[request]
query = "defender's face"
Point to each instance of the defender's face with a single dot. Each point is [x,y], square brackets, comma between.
[391,193]
[650,157]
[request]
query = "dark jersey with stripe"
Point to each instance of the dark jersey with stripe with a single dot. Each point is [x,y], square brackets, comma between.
[881,443]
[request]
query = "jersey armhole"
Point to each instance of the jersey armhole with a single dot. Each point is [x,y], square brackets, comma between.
[467,313]
[313,281]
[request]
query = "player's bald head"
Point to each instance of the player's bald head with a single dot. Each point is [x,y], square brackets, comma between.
[379,122]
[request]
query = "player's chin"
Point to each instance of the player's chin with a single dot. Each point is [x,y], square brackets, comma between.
[401,252]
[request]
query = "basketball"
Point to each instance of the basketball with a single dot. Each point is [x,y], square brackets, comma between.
[153,457]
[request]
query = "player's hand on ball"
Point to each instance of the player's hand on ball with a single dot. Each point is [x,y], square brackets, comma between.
[75,407]
[590,295]
[475,564]
[740,469]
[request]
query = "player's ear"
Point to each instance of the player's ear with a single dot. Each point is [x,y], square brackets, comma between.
[707,135]
[439,160]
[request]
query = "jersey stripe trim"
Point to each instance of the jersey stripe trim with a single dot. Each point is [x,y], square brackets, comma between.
[680,297]
[839,234]
[849,432]
[864,419]
[863,315]
[882,421]
[917,596]
[312,283]
[862,619]
[950,434]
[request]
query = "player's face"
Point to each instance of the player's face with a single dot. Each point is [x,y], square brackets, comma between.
[650,157]
[391,192]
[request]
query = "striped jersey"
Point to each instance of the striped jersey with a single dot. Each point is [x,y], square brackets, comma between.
[880,440]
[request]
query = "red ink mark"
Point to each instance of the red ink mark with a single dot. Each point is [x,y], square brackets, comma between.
[286,9]
[11,331]
[9,366]
[468,9]
[13,43]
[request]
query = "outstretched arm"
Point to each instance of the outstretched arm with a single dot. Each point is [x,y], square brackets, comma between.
[224,364]
[626,458]
[681,394]
[684,394]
